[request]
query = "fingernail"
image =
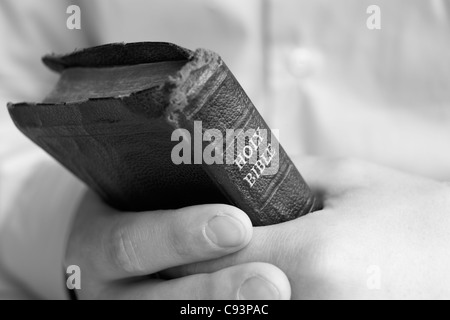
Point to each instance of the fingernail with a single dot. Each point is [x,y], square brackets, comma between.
[225,231]
[257,288]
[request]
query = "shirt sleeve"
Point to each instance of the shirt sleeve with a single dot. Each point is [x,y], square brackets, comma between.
[37,196]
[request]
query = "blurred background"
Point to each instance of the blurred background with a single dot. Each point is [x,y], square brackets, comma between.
[313,68]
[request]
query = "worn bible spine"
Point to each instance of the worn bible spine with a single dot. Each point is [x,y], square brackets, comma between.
[254,173]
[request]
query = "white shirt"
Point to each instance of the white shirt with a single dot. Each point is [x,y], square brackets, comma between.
[312,67]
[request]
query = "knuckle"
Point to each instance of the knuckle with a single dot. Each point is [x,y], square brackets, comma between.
[430,191]
[348,165]
[353,170]
[123,249]
[181,237]
[79,247]
[441,193]
[446,190]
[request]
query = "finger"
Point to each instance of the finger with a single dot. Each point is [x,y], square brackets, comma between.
[269,244]
[253,281]
[118,245]
[331,177]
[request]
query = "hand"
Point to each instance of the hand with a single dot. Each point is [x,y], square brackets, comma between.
[382,234]
[118,252]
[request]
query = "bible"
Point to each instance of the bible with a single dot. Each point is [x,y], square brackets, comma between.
[152,126]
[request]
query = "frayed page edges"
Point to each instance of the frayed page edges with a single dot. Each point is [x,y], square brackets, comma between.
[189,81]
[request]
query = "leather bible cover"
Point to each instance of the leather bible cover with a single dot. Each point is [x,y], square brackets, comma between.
[121,146]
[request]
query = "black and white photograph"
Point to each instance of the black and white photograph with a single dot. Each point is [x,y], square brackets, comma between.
[209,152]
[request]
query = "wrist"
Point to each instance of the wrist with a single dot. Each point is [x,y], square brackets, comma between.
[35,230]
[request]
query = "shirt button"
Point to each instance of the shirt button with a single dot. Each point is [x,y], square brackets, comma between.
[304,62]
